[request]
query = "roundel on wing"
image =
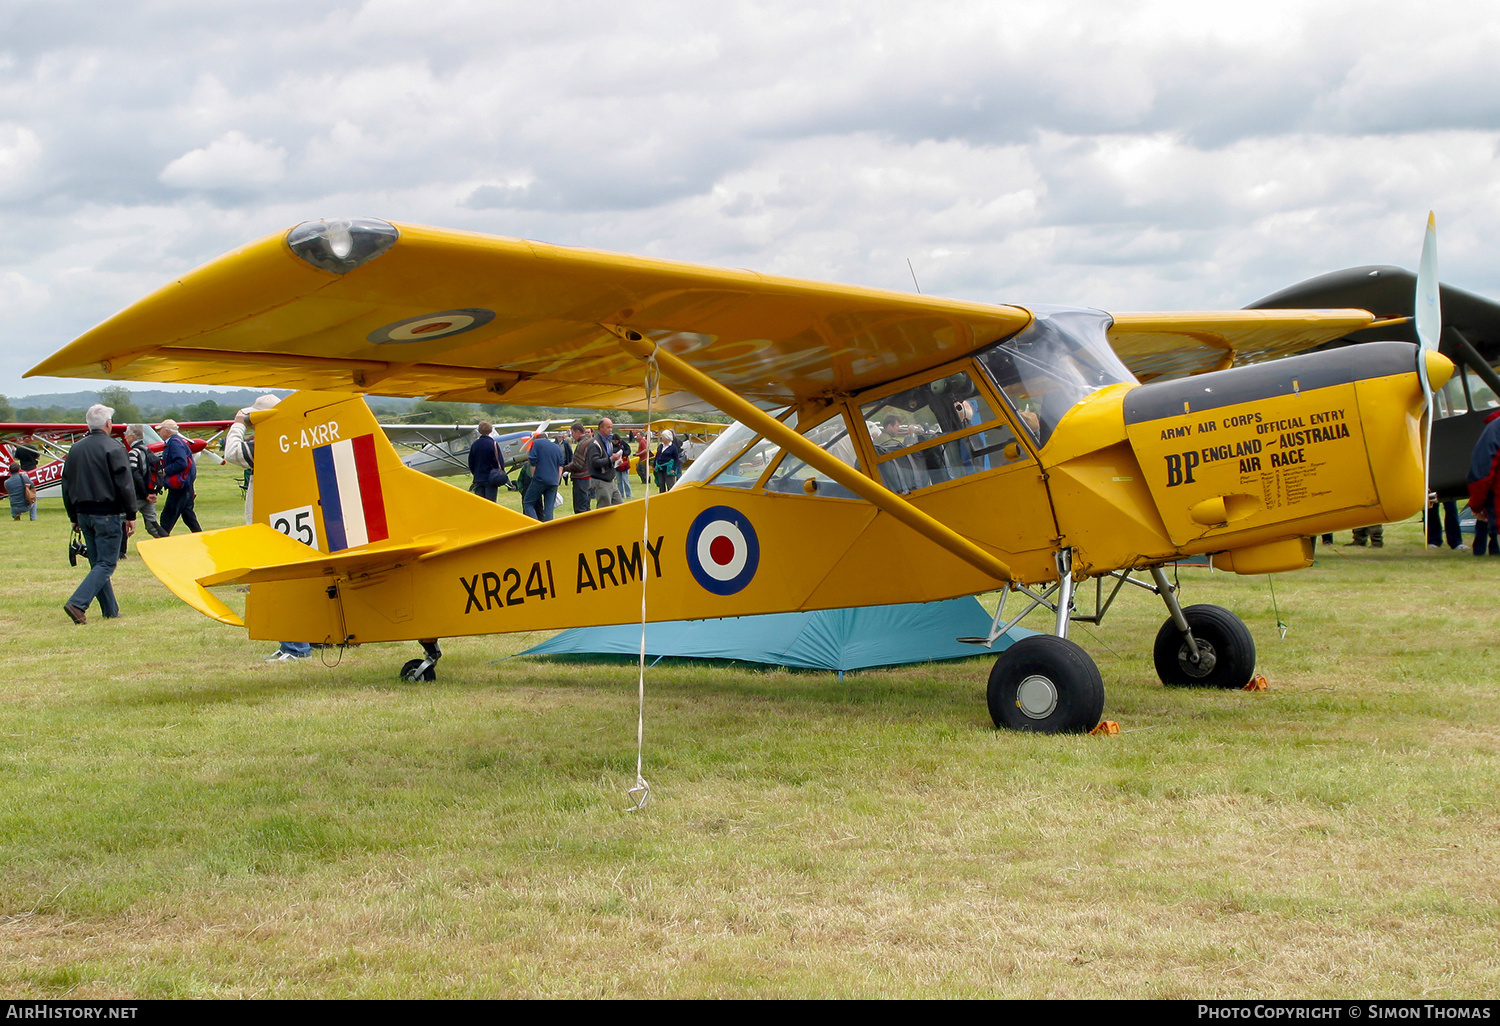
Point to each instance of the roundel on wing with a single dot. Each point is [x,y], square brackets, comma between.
[722,550]
[433,325]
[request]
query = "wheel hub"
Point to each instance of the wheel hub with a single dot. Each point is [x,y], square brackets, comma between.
[1036,696]
[1206,659]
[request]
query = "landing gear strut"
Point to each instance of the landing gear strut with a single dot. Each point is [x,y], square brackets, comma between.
[425,668]
[1046,683]
[1049,685]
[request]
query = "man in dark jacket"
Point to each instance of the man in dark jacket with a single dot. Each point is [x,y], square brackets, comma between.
[178,465]
[578,468]
[600,460]
[484,463]
[98,489]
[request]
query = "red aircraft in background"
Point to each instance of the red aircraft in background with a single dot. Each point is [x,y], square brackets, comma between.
[30,444]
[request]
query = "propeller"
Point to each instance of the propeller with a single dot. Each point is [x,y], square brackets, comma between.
[541,430]
[1428,314]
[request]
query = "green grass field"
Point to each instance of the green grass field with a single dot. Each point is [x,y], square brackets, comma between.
[179,818]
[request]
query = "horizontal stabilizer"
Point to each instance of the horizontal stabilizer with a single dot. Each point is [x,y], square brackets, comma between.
[190,564]
[344,564]
[179,562]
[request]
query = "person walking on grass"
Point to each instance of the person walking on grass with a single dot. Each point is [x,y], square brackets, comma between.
[22,493]
[546,464]
[149,477]
[99,496]
[182,473]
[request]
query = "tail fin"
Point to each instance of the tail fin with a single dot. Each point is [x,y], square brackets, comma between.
[325,476]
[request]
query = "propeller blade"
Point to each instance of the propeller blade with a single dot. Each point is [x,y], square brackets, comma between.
[1428,311]
[541,430]
[1429,322]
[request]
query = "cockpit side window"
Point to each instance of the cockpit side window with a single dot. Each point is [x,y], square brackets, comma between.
[747,469]
[793,475]
[938,431]
[737,457]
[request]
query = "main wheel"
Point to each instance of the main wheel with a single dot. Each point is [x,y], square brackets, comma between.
[410,668]
[1226,651]
[1047,685]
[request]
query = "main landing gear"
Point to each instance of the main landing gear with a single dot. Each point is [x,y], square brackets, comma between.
[1048,684]
[424,668]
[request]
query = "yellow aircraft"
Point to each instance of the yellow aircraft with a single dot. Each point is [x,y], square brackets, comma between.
[889,447]
[692,435]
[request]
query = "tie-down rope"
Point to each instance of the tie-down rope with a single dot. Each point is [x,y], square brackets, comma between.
[640,794]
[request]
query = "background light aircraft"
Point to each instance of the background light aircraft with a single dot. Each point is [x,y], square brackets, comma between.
[442,450]
[1470,338]
[41,448]
[918,448]
[693,435]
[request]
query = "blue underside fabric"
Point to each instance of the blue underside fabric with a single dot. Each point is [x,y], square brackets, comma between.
[830,639]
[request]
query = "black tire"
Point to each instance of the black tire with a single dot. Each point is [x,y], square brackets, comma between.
[411,667]
[1046,685]
[1225,645]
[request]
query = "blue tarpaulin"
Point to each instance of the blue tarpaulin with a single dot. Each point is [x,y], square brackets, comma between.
[830,639]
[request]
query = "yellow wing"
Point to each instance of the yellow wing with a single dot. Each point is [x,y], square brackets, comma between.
[1155,345]
[407,310]
[687,427]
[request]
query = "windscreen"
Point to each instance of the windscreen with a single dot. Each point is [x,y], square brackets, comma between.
[1061,357]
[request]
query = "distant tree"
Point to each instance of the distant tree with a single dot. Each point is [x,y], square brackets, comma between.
[49,415]
[208,410]
[502,413]
[7,412]
[119,397]
[429,412]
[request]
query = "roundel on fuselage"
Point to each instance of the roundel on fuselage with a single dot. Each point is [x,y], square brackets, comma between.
[723,550]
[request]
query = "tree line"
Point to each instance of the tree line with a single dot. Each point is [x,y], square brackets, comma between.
[424,411]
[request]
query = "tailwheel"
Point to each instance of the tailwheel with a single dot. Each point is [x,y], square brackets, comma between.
[418,669]
[1047,685]
[1226,651]
[424,668]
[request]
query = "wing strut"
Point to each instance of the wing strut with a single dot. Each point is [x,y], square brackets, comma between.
[709,390]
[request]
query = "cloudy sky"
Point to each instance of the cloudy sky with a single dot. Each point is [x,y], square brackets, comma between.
[1123,155]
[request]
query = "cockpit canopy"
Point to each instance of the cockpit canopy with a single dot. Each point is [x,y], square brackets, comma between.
[948,426]
[1060,358]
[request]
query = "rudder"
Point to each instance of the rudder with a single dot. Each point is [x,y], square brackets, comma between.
[326,475]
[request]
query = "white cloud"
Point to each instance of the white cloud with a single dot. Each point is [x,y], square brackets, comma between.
[1130,155]
[20,295]
[232,162]
[20,154]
